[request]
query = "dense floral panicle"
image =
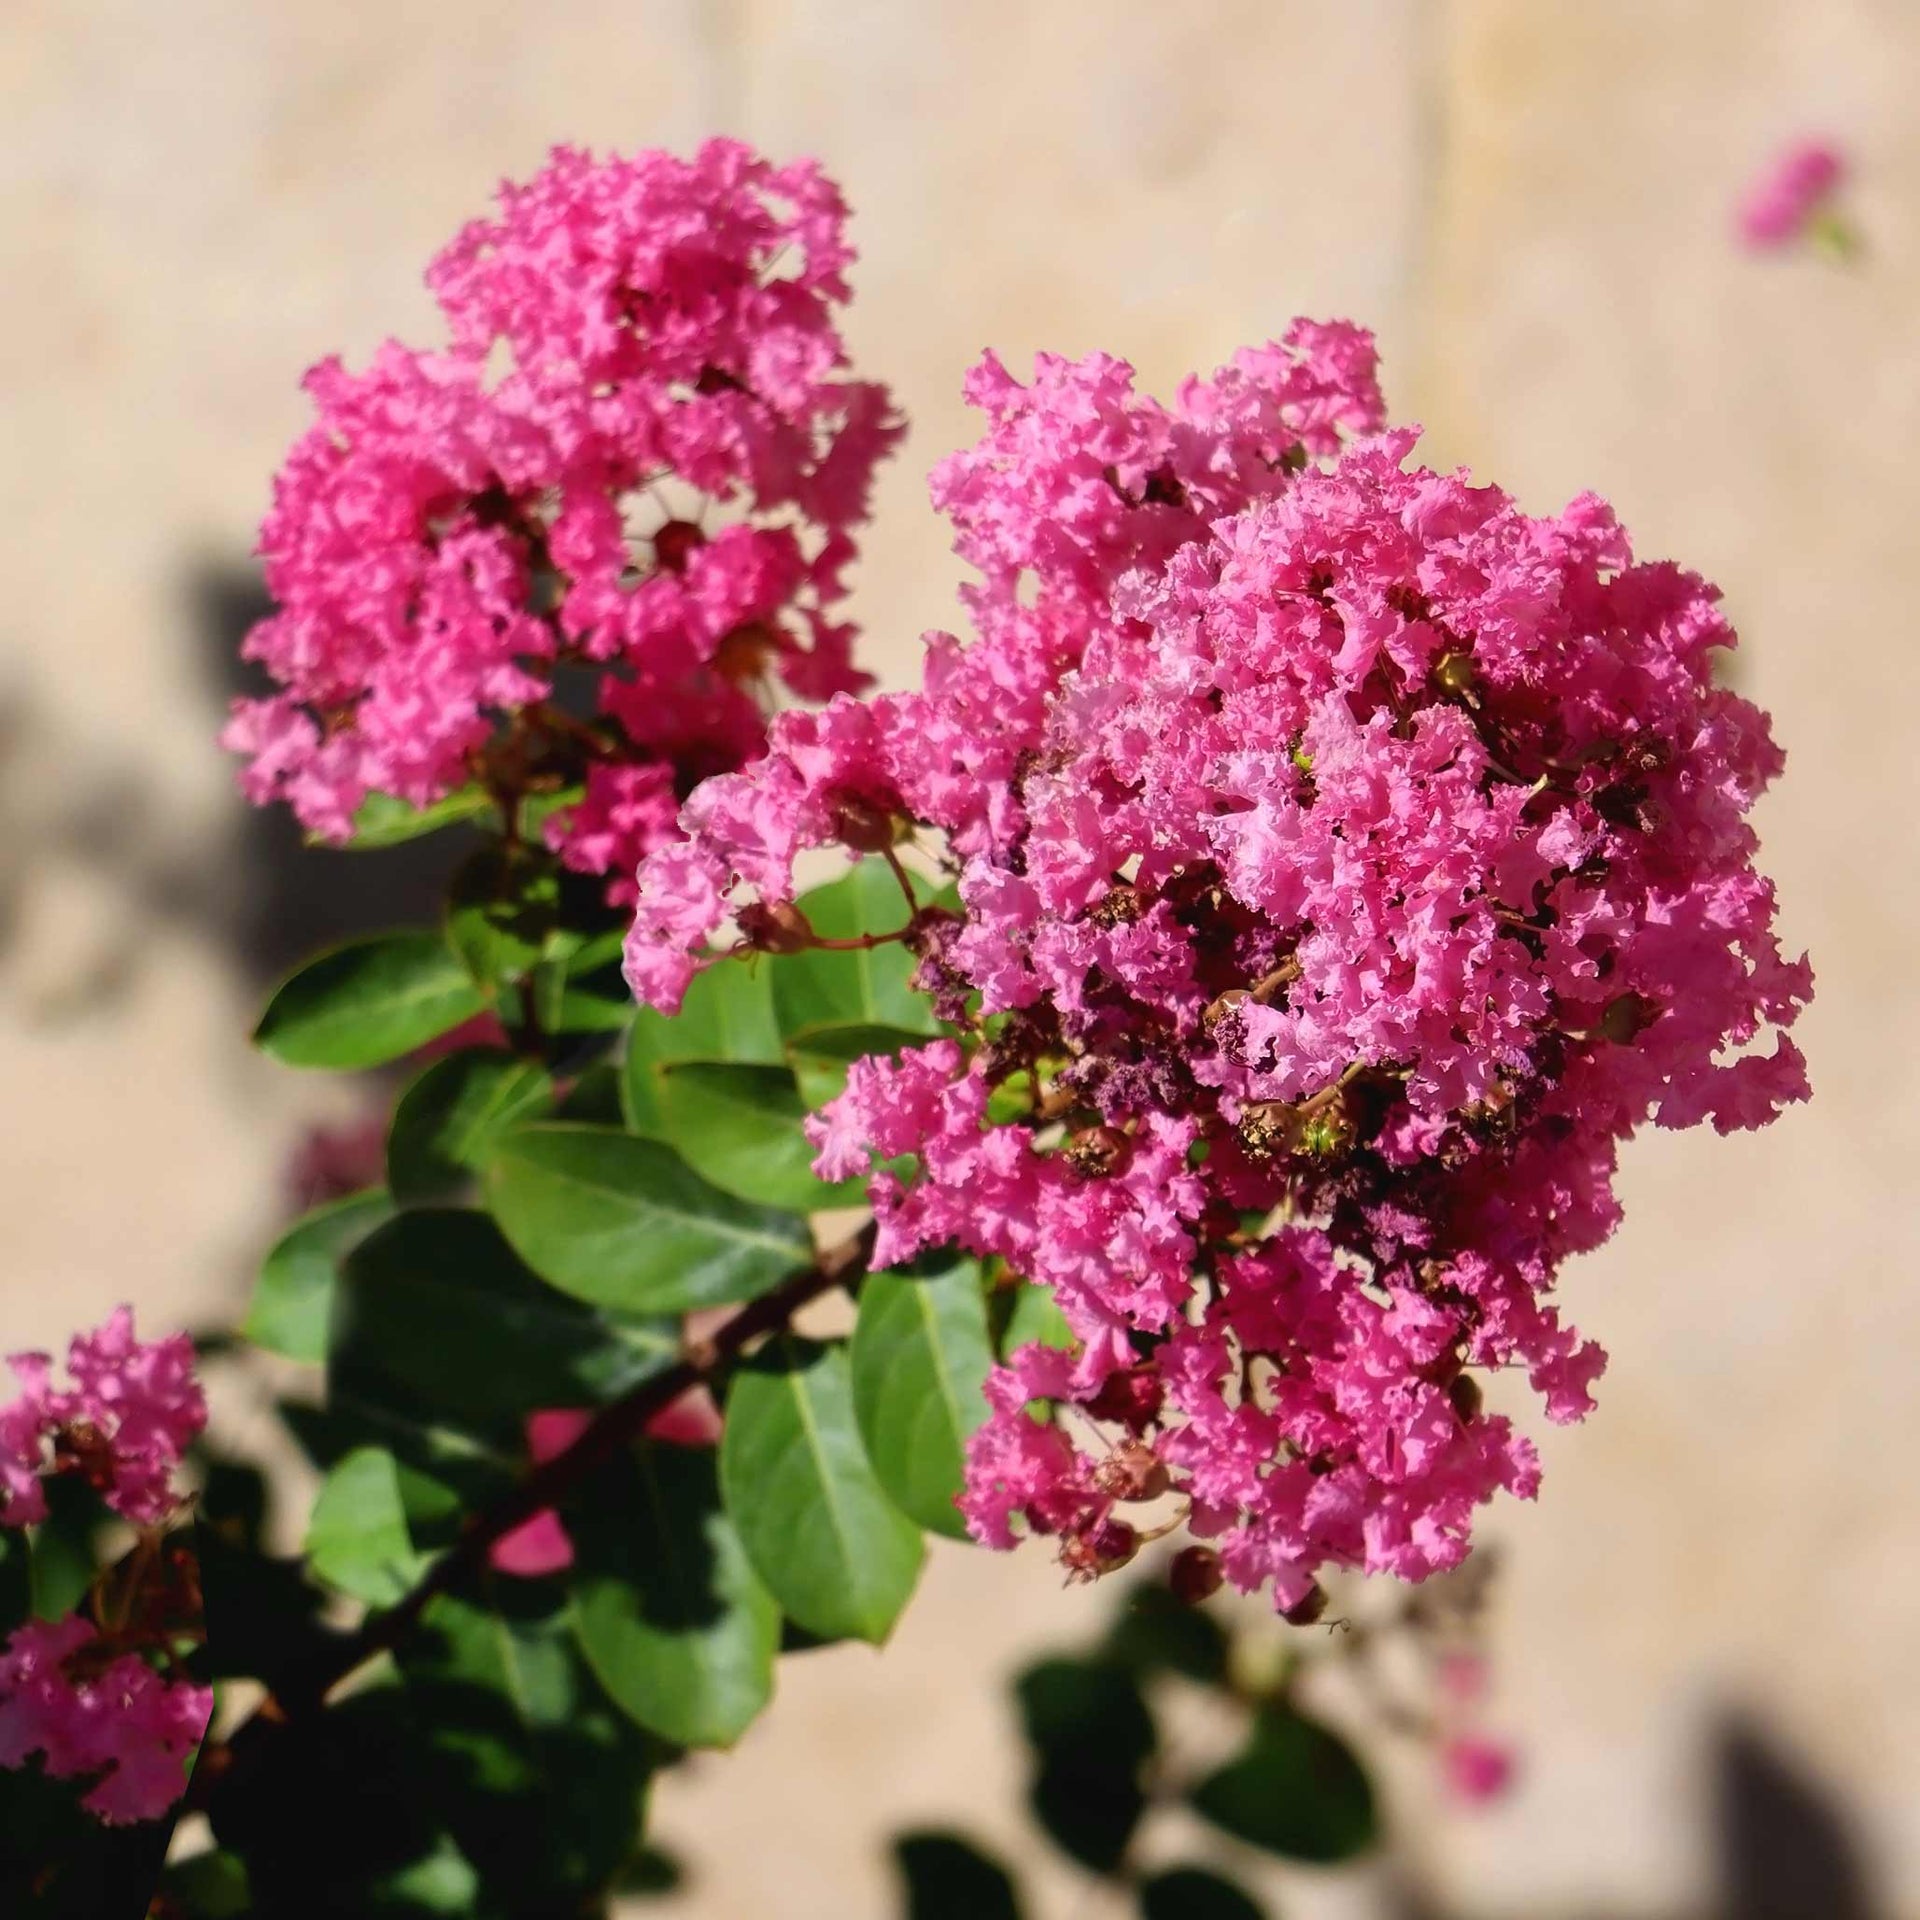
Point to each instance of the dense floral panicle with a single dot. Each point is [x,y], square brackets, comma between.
[1348,861]
[638,347]
[125,1423]
[116,1718]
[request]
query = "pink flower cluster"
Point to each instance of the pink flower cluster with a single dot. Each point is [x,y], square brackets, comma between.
[85,1714]
[67,1692]
[125,1422]
[1348,862]
[638,347]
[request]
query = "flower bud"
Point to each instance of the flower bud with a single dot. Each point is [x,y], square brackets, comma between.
[775,927]
[1132,1471]
[1194,1575]
[1131,1397]
[675,542]
[1104,1546]
[1466,1397]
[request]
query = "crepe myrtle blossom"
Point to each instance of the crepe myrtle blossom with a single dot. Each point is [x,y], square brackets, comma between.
[86,1711]
[638,457]
[1793,191]
[124,1423]
[1348,861]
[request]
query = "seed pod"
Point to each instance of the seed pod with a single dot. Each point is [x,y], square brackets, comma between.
[1132,1471]
[1306,1610]
[1194,1575]
[1629,1015]
[864,826]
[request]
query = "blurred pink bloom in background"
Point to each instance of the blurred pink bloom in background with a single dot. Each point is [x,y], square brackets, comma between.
[1790,192]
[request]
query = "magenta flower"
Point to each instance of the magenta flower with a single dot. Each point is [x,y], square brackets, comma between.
[120,1720]
[1794,188]
[634,343]
[1348,862]
[1476,1770]
[125,1423]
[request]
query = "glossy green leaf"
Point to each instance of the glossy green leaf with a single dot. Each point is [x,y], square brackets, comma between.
[666,1606]
[727,1015]
[624,1222]
[821,1056]
[1091,1735]
[920,1353]
[836,1553]
[293,1297]
[740,1127]
[357,1539]
[538,1776]
[1295,1789]
[1030,1315]
[1192,1893]
[384,820]
[502,908]
[869,987]
[448,1121]
[368,1002]
[448,1335]
[946,1877]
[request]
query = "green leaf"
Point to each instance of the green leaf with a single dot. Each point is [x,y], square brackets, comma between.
[1156,1632]
[293,1297]
[207,1886]
[536,1773]
[1030,1315]
[594,1098]
[868,987]
[1192,1893]
[835,1552]
[739,1126]
[727,1015]
[1091,1734]
[445,1333]
[65,1555]
[947,1877]
[666,1606]
[821,1056]
[385,820]
[625,1223]
[1295,1789]
[357,1539]
[502,908]
[448,1121]
[920,1356]
[368,1002]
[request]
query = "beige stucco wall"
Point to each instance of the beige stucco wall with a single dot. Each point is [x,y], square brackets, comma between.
[1527,198]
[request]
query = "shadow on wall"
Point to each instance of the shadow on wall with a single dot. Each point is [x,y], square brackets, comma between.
[1784,1847]
[285,899]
